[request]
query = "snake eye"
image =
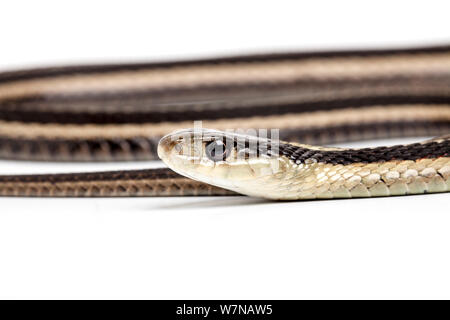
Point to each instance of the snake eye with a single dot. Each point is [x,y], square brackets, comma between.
[217,150]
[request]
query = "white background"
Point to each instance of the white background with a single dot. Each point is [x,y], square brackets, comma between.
[216,247]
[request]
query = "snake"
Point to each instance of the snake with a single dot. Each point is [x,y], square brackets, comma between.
[307,101]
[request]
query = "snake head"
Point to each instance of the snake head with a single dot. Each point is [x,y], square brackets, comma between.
[225,159]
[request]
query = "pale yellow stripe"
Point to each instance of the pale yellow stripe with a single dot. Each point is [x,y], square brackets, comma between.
[238,73]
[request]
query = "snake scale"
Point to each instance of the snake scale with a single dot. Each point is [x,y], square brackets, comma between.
[120,113]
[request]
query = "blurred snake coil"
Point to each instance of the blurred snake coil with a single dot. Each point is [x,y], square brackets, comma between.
[119,112]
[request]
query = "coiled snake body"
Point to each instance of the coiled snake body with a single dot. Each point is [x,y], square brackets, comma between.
[120,112]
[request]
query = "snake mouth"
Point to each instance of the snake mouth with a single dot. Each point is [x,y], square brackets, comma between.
[170,150]
[164,147]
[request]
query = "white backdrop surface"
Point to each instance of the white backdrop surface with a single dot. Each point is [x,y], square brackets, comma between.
[234,247]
